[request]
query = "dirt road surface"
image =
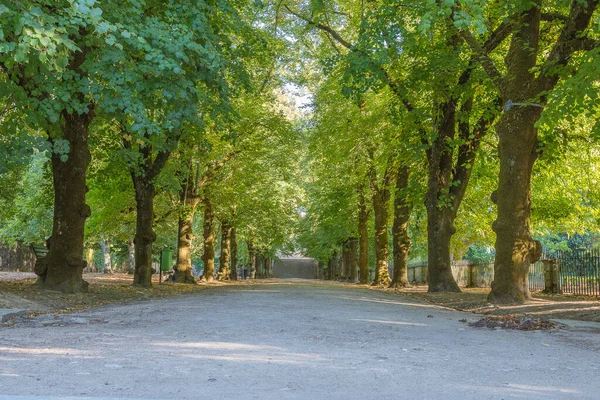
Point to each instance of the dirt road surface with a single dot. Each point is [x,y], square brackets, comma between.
[289,340]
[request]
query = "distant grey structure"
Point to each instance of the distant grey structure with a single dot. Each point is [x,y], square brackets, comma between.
[295,267]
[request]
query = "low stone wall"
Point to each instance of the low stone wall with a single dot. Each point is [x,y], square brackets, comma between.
[465,274]
[16,258]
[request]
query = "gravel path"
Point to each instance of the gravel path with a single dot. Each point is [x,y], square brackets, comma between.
[289,340]
[6,276]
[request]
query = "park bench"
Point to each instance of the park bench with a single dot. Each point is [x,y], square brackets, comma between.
[39,250]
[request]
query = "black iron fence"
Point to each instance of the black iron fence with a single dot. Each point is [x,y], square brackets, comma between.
[578,271]
[573,272]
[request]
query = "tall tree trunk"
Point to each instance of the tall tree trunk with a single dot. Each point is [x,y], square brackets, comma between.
[525,82]
[260,265]
[144,233]
[320,270]
[345,269]
[224,261]
[89,258]
[330,273]
[268,265]
[252,259]
[62,268]
[440,226]
[352,259]
[208,257]
[106,256]
[515,248]
[363,238]
[130,256]
[401,240]
[183,270]
[517,148]
[381,198]
[234,256]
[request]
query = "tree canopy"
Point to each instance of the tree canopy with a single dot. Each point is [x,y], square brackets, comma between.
[362,134]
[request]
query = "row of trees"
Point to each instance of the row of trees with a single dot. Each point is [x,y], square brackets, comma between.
[429,116]
[119,121]
[439,112]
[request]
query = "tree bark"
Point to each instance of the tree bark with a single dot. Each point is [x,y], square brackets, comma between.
[62,268]
[401,241]
[106,256]
[224,261]
[252,259]
[183,270]
[144,233]
[320,270]
[208,257]
[381,198]
[268,265]
[234,256]
[130,256]
[515,248]
[440,226]
[517,148]
[363,233]
[524,96]
[330,272]
[352,259]
[345,268]
[260,265]
[89,258]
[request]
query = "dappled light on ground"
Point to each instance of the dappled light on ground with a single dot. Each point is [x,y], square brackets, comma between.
[524,391]
[375,321]
[383,301]
[226,342]
[226,346]
[240,353]
[67,352]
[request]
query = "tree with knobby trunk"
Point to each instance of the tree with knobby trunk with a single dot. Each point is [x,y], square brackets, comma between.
[381,201]
[210,240]
[535,61]
[184,72]
[225,259]
[191,193]
[400,238]
[47,58]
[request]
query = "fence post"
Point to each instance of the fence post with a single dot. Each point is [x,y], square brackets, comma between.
[551,280]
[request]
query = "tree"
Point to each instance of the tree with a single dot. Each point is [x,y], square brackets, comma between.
[175,70]
[536,61]
[44,60]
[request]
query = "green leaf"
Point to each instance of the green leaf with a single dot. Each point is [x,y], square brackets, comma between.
[20,56]
[62,61]
[35,11]
[96,13]
[83,9]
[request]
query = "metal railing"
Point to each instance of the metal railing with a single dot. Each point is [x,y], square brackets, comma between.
[578,273]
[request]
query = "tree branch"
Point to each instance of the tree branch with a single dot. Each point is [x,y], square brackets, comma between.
[393,85]
[322,27]
[161,159]
[209,176]
[486,62]
[569,41]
